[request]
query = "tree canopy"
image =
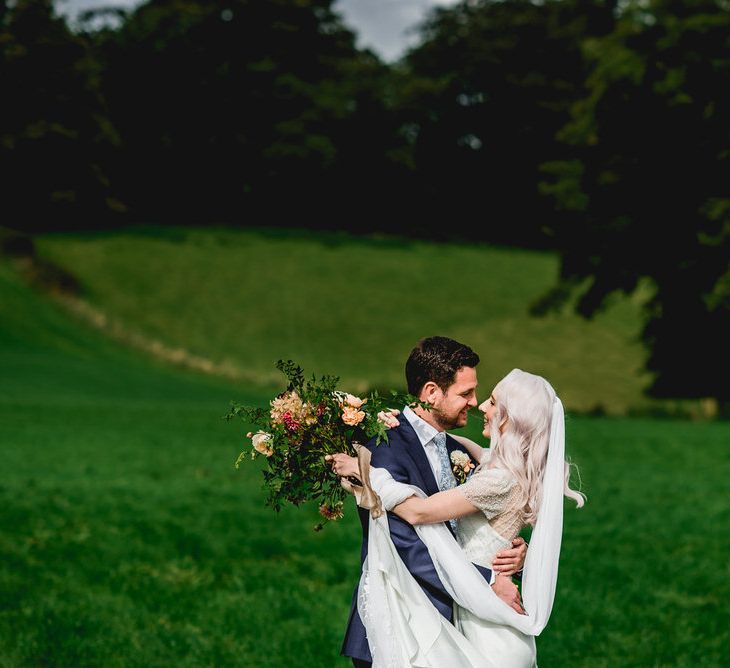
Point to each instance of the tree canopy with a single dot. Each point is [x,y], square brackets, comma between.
[593,127]
[645,195]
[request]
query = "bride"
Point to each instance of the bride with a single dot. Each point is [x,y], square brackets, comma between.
[520,480]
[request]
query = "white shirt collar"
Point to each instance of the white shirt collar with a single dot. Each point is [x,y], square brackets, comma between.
[424,431]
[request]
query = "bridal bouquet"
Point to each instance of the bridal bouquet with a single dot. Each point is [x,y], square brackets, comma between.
[310,419]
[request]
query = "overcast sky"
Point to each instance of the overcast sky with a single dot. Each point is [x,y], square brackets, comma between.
[380,24]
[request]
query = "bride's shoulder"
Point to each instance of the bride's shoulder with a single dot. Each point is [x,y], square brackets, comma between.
[489,489]
[495,478]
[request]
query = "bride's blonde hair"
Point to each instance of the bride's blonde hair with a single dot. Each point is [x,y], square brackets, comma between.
[524,405]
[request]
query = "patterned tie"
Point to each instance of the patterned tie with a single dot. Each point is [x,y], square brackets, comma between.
[446,477]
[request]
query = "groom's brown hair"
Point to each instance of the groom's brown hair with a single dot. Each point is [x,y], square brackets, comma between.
[437,359]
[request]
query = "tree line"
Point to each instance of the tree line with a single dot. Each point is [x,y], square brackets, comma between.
[594,127]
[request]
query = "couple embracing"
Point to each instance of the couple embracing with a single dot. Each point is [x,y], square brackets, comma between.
[436,587]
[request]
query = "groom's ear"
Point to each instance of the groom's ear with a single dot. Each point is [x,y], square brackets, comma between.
[431,392]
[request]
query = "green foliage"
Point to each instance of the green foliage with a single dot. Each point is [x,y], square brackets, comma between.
[244,100]
[308,421]
[222,105]
[489,86]
[53,133]
[645,194]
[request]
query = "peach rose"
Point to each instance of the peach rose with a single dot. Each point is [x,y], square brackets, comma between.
[352,400]
[351,416]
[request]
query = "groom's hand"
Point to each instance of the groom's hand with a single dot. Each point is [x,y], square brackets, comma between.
[344,465]
[509,562]
[389,419]
[508,592]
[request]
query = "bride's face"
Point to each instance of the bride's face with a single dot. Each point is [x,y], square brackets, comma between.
[489,408]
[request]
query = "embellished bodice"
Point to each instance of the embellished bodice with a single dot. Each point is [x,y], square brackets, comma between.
[494,491]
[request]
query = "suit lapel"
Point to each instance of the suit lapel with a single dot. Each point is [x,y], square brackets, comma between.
[418,455]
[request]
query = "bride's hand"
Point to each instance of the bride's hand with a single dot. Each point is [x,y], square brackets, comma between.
[388,418]
[344,465]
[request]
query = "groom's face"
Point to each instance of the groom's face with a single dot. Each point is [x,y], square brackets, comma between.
[450,408]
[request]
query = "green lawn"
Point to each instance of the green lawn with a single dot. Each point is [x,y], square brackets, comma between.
[126,535]
[127,538]
[353,306]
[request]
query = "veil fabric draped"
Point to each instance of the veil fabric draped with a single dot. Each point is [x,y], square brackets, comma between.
[405,629]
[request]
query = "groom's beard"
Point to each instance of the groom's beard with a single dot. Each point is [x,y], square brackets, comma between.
[446,421]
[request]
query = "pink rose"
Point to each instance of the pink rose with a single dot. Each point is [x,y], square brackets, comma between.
[290,423]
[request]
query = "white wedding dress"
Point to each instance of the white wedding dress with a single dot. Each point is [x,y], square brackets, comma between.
[403,626]
[481,535]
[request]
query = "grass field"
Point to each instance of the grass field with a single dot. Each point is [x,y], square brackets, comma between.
[126,535]
[354,306]
[127,538]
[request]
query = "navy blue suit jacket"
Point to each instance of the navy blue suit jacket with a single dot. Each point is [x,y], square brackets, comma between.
[405,459]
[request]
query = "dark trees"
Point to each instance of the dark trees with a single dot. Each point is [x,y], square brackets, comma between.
[646,194]
[240,110]
[54,138]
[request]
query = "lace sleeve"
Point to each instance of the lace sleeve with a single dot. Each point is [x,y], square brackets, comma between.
[489,490]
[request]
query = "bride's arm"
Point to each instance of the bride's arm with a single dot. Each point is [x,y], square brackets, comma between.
[436,508]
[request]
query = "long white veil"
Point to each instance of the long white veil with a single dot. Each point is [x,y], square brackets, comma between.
[386,586]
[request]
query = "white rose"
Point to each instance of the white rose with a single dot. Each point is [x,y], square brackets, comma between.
[459,458]
[261,443]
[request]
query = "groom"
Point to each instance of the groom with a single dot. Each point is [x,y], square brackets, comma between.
[442,372]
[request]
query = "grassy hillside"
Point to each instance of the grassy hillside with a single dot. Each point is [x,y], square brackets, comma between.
[352,306]
[128,539]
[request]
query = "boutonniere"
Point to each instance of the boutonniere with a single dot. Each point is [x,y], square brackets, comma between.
[462,465]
